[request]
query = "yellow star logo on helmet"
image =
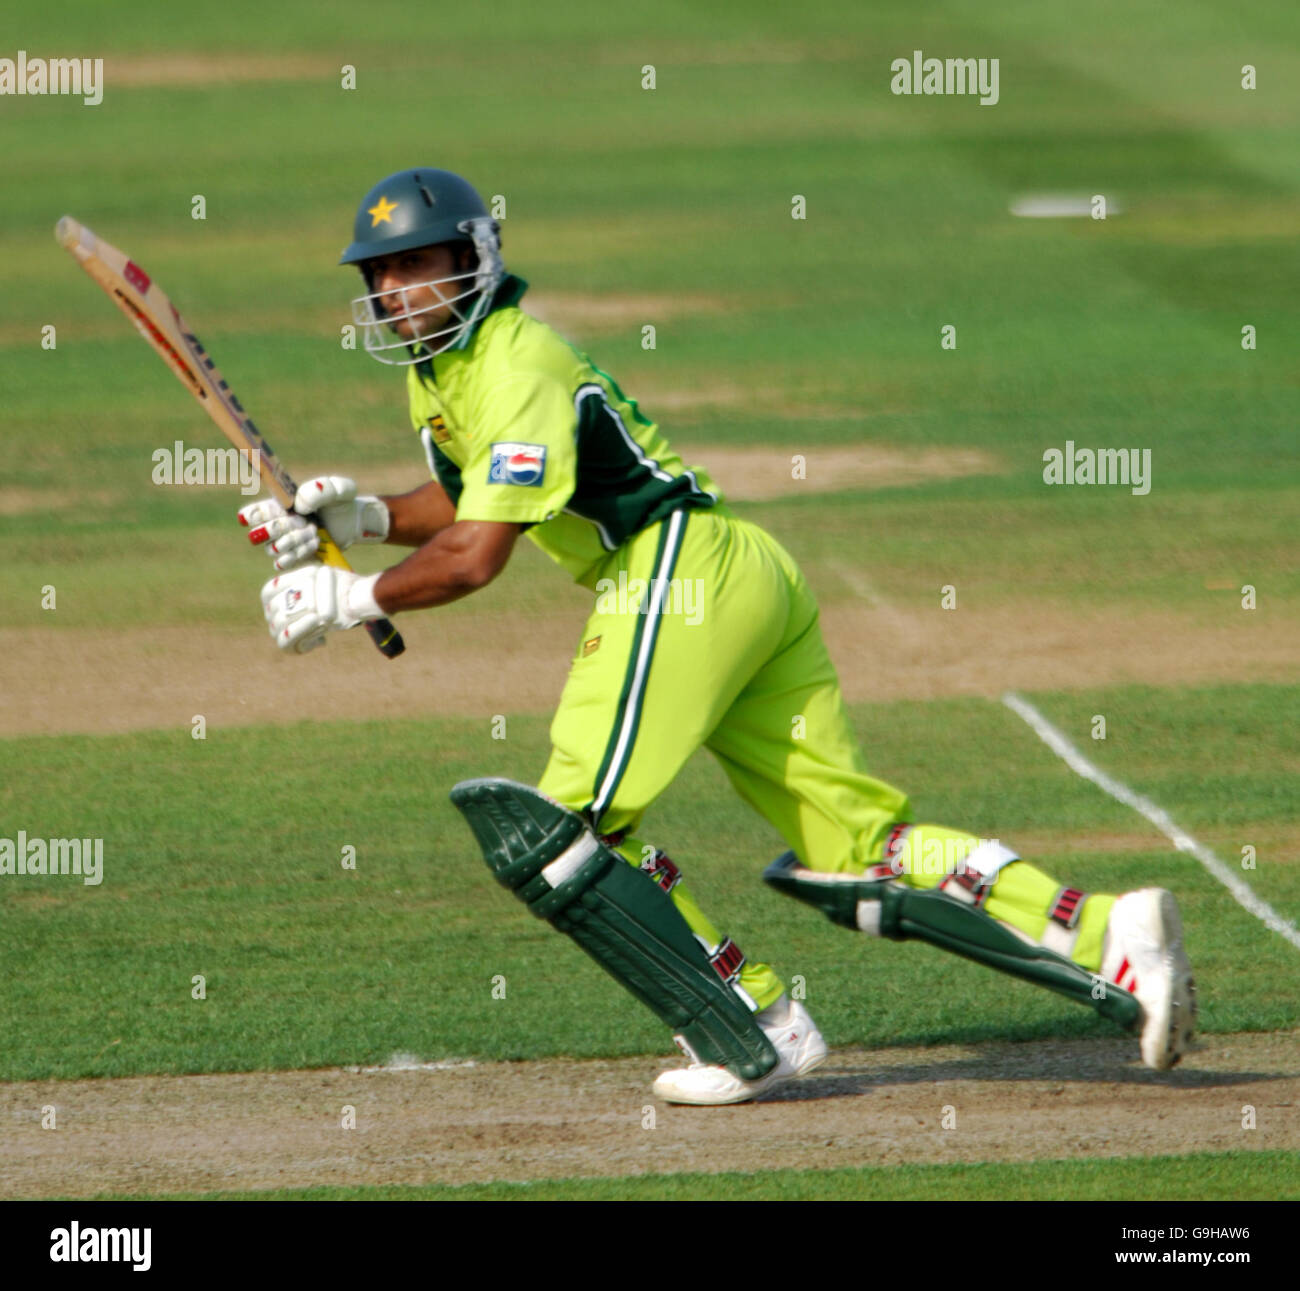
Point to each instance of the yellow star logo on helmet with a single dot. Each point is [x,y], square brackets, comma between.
[381,211]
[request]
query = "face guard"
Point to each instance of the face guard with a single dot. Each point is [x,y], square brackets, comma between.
[467,306]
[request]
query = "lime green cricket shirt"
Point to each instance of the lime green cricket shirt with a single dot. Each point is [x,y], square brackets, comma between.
[521,426]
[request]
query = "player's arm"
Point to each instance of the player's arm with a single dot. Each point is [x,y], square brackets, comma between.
[417,516]
[458,560]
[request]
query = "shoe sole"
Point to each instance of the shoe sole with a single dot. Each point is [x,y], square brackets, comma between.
[812,1062]
[809,1063]
[1177,1027]
[724,1100]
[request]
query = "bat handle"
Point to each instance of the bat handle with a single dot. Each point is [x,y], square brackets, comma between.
[388,640]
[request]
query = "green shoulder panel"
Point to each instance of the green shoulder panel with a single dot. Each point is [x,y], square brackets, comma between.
[447,471]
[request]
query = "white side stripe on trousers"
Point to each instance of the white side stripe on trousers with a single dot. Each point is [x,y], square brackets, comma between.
[658,593]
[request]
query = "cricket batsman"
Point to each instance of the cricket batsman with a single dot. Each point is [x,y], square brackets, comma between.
[523,434]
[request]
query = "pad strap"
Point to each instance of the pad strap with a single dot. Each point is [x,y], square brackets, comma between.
[662,870]
[1062,930]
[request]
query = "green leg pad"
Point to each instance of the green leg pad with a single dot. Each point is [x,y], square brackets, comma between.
[547,855]
[891,909]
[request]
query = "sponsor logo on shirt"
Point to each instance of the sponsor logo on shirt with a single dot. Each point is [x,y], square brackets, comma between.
[441,435]
[523,464]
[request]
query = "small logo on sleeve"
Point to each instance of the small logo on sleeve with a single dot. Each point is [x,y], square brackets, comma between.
[523,464]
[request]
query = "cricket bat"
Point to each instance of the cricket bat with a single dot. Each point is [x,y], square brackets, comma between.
[156,319]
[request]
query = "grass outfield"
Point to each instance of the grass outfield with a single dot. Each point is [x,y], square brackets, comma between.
[308,964]
[1243,1176]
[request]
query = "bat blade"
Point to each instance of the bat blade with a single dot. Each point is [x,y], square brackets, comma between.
[154,316]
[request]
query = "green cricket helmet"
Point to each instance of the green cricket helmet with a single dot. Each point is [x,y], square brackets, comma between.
[421,208]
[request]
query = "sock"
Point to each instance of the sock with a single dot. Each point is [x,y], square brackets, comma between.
[775,1015]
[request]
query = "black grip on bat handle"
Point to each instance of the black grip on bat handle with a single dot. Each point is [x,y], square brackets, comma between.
[388,640]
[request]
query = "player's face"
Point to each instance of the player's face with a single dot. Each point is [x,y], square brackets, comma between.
[406,283]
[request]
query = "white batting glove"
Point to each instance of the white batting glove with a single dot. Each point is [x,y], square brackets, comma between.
[302,607]
[291,541]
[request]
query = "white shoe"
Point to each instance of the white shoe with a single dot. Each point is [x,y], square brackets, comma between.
[794,1036]
[1142,952]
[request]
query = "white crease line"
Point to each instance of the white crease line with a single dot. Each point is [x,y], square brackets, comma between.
[1160,818]
[409,1065]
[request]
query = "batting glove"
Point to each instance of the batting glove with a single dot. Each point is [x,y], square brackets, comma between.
[291,540]
[302,607]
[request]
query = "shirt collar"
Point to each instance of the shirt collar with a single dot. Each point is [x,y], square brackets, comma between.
[509,291]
